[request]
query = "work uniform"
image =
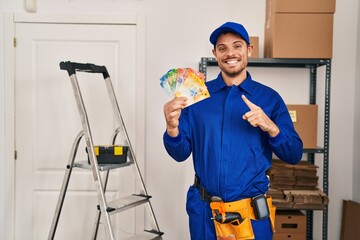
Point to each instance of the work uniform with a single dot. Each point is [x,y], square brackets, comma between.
[230,156]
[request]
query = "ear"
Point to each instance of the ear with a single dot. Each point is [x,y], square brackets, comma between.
[214,53]
[250,49]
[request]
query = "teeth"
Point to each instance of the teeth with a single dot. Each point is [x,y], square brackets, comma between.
[232,61]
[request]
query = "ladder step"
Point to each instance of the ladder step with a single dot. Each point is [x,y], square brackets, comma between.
[147,235]
[125,203]
[102,167]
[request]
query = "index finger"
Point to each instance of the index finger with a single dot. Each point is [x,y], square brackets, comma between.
[248,103]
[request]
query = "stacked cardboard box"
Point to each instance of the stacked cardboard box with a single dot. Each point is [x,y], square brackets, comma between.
[299,199]
[307,199]
[295,186]
[285,176]
[299,29]
[280,200]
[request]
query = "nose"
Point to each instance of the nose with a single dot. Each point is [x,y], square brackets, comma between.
[230,51]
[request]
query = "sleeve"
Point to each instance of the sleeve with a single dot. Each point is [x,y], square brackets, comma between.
[179,147]
[287,145]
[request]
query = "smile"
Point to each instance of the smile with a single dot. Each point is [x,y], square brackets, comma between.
[234,61]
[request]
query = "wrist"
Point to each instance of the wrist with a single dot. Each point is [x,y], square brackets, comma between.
[274,132]
[172,131]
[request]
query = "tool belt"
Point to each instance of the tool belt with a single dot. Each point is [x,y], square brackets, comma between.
[204,195]
[232,220]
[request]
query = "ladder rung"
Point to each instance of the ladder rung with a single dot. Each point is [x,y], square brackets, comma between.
[126,203]
[102,167]
[147,235]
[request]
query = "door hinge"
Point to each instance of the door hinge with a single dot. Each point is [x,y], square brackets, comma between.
[14,42]
[15,155]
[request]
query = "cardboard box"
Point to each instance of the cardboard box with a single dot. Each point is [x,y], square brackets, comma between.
[290,222]
[308,196]
[349,224]
[308,199]
[303,6]
[286,176]
[255,41]
[283,236]
[305,119]
[304,35]
[299,29]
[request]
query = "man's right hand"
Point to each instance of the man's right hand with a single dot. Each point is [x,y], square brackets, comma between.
[172,112]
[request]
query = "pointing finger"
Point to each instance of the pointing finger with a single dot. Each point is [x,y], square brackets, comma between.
[248,103]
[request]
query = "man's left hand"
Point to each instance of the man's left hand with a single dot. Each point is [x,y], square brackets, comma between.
[258,118]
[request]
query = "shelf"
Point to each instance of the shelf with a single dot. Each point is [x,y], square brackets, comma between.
[312,65]
[311,208]
[313,150]
[269,62]
[275,62]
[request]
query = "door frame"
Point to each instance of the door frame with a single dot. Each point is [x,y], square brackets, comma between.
[9,21]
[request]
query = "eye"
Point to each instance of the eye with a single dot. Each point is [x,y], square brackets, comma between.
[221,48]
[238,46]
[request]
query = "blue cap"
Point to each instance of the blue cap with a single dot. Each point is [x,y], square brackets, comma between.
[229,27]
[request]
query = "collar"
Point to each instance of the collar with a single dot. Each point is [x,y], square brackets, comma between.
[247,85]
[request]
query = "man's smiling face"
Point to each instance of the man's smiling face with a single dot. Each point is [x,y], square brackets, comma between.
[231,52]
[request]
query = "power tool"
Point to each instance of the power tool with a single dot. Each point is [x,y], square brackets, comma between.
[228,217]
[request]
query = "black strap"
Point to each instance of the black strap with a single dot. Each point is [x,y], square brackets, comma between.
[204,195]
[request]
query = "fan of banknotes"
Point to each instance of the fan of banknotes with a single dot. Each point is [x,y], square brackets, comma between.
[185,82]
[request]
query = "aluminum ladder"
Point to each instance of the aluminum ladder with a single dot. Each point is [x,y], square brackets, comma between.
[105,208]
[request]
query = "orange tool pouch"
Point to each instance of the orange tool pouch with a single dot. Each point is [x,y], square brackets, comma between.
[238,230]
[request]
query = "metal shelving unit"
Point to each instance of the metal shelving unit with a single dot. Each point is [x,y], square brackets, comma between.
[312,65]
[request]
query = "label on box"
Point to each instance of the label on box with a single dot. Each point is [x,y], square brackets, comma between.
[293,115]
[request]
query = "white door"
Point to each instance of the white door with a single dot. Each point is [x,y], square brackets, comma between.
[47,121]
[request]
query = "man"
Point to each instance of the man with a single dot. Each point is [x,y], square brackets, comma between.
[231,135]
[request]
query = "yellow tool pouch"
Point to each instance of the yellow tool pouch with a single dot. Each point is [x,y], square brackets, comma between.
[272,210]
[238,229]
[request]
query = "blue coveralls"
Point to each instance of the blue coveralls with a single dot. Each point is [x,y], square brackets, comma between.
[229,155]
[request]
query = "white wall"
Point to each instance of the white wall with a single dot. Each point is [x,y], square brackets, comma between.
[342,111]
[356,170]
[2,135]
[177,35]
